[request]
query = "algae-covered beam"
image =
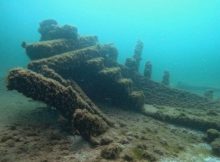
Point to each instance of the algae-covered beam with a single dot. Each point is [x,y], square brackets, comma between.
[50,73]
[50,48]
[73,59]
[179,118]
[65,99]
[43,89]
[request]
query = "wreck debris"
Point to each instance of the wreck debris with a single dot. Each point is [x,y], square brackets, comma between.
[86,41]
[110,53]
[64,98]
[88,124]
[148,70]
[61,66]
[50,30]
[49,73]
[157,93]
[56,40]
[174,116]
[50,48]
[166,78]
[160,94]
[163,95]
[134,63]
[43,89]
[138,52]
[137,99]
[94,65]
[131,64]
[69,72]
[72,60]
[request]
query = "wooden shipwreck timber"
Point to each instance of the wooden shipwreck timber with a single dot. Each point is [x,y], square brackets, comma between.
[72,72]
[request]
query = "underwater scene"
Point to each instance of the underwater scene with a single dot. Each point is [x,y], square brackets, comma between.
[110,81]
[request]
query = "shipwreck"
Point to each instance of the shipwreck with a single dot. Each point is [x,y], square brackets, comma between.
[72,73]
